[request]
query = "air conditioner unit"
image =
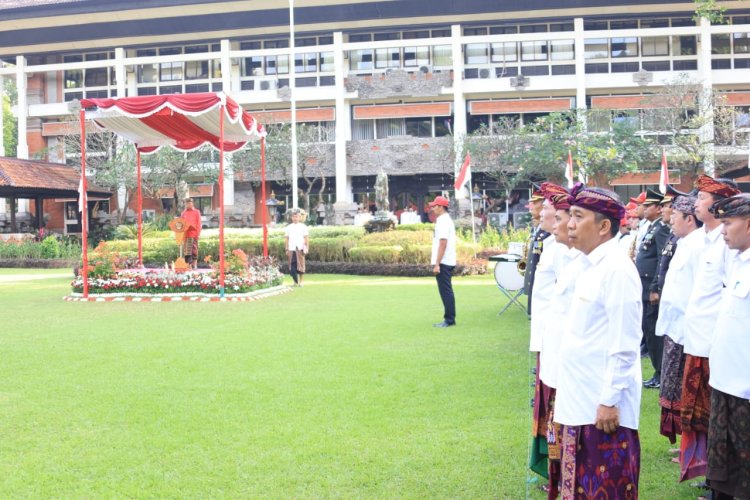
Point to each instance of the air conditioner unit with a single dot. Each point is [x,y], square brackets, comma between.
[425,69]
[484,73]
[268,83]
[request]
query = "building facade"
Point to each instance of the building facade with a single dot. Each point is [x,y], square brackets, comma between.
[389,85]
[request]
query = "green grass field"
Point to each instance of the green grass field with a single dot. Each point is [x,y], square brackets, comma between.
[339,389]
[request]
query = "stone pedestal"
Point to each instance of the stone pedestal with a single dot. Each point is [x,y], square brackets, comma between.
[344,213]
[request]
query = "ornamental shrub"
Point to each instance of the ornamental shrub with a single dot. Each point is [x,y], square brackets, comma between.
[390,238]
[373,254]
[50,248]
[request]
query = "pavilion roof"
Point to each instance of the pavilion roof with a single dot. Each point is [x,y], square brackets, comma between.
[32,177]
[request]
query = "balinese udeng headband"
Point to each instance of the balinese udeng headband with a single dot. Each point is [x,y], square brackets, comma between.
[556,195]
[684,204]
[735,206]
[596,201]
[711,185]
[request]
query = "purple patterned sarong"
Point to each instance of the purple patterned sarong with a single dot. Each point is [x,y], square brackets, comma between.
[597,465]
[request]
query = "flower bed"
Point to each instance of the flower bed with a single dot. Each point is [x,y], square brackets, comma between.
[242,276]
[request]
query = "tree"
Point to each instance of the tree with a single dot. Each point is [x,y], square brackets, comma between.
[695,119]
[315,155]
[10,124]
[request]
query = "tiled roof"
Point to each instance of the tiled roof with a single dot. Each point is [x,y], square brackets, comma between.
[40,175]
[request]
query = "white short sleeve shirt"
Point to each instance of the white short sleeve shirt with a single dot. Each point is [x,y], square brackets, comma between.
[296,232]
[444,230]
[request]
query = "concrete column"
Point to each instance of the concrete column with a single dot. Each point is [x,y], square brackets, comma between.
[23,111]
[705,74]
[226,67]
[2,112]
[121,75]
[459,112]
[228,182]
[345,208]
[580,61]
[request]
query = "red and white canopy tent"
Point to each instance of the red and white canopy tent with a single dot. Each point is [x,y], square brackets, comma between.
[184,122]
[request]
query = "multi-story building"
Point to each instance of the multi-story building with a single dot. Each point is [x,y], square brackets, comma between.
[390,84]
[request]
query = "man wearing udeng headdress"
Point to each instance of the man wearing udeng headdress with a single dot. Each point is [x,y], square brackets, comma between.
[729,431]
[599,376]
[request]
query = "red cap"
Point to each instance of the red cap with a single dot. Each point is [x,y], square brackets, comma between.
[640,199]
[439,201]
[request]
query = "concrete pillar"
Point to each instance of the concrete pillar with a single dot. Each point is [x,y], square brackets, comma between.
[705,74]
[121,74]
[580,61]
[345,208]
[23,111]
[2,112]
[226,67]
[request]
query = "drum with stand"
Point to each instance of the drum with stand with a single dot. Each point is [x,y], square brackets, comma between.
[508,279]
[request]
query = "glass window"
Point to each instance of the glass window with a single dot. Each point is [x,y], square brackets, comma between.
[596,48]
[504,52]
[475,31]
[741,43]
[558,27]
[441,33]
[247,46]
[388,58]
[534,51]
[625,47]
[363,130]
[326,61]
[325,40]
[684,45]
[416,56]
[534,28]
[253,66]
[443,126]
[361,59]
[655,46]
[73,78]
[412,35]
[599,120]
[629,118]
[390,127]
[442,55]
[654,23]
[305,42]
[306,63]
[419,127]
[562,50]
[503,30]
[277,65]
[96,77]
[720,43]
[276,44]
[171,71]
[379,37]
[366,37]
[195,70]
[476,53]
[630,24]
[477,122]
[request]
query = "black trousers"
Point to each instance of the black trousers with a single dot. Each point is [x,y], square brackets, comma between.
[293,268]
[654,344]
[446,293]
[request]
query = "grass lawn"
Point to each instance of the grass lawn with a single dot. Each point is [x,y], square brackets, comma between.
[341,388]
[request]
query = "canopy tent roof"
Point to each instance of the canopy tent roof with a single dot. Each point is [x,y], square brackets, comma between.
[185,122]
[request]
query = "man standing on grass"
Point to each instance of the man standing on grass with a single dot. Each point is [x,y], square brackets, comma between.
[193,217]
[729,430]
[443,258]
[701,315]
[534,245]
[599,374]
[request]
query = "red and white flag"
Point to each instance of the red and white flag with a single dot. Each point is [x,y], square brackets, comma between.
[464,176]
[664,176]
[569,171]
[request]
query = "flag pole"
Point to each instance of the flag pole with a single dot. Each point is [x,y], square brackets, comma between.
[85,208]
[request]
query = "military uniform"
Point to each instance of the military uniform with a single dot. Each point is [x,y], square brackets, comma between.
[647,263]
[534,248]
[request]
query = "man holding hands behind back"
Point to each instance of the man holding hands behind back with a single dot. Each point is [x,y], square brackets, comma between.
[444,258]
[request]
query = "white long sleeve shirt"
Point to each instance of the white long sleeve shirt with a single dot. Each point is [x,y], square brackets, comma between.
[705,300]
[567,264]
[600,362]
[541,295]
[678,285]
[729,357]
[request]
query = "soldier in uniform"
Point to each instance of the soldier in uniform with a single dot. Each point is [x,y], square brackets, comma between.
[534,245]
[671,245]
[647,263]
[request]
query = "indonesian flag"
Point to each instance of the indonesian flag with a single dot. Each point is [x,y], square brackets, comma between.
[464,176]
[664,176]
[569,171]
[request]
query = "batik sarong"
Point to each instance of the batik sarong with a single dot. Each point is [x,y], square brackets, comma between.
[190,249]
[300,258]
[554,442]
[729,445]
[598,465]
[670,393]
[694,415]
[538,458]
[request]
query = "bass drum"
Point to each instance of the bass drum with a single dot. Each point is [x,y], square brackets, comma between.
[506,272]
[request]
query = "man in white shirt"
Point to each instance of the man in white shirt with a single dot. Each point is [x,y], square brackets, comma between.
[443,258]
[678,283]
[728,471]
[599,374]
[700,323]
[296,242]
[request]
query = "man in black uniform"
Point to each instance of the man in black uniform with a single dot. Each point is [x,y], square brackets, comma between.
[534,244]
[647,263]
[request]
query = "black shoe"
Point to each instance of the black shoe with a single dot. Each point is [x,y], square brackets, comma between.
[443,324]
[649,382]
[653,383]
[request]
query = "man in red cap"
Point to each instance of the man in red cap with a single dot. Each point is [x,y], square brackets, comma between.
[644,223]
[443,258]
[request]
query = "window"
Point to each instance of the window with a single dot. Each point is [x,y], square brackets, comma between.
[720,44]
[277,65]
[443,126]
[684,45]
[363,130]
[416,56]
[390,127]
[361,59]
[476,53]
[741,43]
[625,47]
[655,46]
[388,58]
[654,23]
[475,31]
[146,72]
[419,127]
[379,37]
[596,48]
[534,28]
[366,37]
[442,55]
[195,70]
[412,35]
[170,71]
[503,30]
[477,122]
[629,118]
[203,204]
[306,63]
[562,50]
[504,52]
[630,24]
[276,44]
[326,61]
[534,51]
[253,66]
